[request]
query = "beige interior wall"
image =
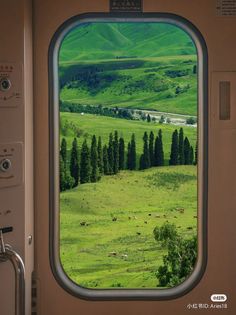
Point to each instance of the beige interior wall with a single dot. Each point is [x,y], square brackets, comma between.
[16,125]
[220,275]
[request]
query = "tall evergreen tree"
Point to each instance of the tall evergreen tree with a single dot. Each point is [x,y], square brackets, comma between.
[191,156]
[196,154]
[148,118]
[62,174]
[63,150]
[85,164]
[75,163]
[105,160]
[174,149]
[181,146]
[110,152]
[161,150]
[100,156]
[121,153]
[133,153]
[95,176]
[186,151]
[116,153]
[145,157]
[129,156]
[151,148]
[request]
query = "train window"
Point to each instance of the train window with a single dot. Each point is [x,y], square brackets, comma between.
[128,156]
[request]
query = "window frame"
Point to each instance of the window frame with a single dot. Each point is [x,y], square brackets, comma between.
[54,144]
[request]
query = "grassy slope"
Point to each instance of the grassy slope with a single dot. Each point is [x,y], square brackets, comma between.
[142,46]
[108,40]
[85,249]
[136,84]
[102,126]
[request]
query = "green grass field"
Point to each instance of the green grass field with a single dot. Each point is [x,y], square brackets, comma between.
[106,253]
[88,125]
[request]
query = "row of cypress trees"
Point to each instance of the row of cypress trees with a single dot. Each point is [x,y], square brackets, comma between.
[90,163]
[182,152]
[153,153]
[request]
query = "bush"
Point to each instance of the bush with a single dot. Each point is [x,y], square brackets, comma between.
[191,121]
[181,255]
[165,233]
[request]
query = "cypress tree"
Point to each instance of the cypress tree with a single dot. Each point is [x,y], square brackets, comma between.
[67,182]
[121,153]
[85,164]
[110,152]
[145,159]
[100,156]
[196,154]
[148,118]
[141,162]
[105,161]
[133,153]
[94,161]
[62,174]
[181,146]
[63,150]
[174,149]
[75,163]
[129,157]
[156,152]
[116,153]
[186,151]
[151,148]
[191,157]
[161,150]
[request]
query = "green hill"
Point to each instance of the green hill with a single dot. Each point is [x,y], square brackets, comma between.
[149,66]
[121,40]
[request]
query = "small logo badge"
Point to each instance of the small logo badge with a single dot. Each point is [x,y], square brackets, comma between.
[219,298]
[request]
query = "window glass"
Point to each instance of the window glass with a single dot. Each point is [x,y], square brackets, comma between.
[128,155]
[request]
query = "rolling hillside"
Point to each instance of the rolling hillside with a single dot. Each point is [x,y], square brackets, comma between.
[149,66]
[93,41]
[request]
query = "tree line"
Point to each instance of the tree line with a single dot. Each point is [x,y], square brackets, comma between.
[91,162]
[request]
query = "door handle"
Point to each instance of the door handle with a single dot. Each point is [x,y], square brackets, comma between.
[8,254]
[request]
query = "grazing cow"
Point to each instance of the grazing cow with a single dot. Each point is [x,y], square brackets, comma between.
[138,233]
[114,219]
[181,210]
[189,227]
[83,223]
[145,222]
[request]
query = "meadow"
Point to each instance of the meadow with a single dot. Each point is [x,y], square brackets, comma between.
[99,252]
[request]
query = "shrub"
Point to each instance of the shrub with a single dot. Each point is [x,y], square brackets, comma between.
[181,255]
[191,121]
[165,233]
